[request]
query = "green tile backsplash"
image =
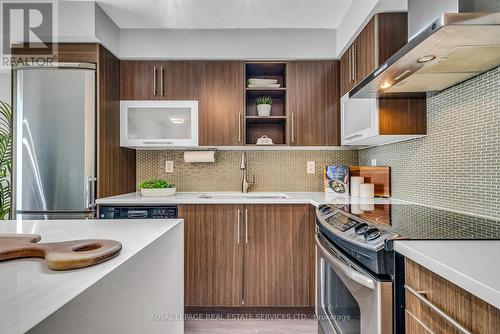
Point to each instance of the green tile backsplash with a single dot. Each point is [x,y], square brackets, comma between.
[281,170]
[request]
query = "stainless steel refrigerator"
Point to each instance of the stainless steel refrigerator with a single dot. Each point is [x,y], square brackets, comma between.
[54,153]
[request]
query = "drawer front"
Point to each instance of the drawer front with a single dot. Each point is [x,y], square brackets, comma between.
[414,326]
[427,317]
[473,314]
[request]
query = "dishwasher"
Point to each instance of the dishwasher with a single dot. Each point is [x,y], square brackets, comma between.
[138,212]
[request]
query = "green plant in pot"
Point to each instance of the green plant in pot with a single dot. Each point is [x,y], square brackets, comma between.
[157,188]
[264,105]
[5,159]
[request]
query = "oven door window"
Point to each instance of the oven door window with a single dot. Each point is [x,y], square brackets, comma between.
[339,308]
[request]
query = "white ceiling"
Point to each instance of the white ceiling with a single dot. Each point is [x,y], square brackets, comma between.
[225,14]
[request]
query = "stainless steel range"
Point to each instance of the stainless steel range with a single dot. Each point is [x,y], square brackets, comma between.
[354,284]
[357,271]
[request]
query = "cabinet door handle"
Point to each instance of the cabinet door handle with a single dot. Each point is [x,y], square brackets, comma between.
[246,226]
[238,222]
[449,319]
[355,63]
[350,64]
[353,136]
[90,192]
[293,128]
[154,80]
[162,90]
[239,127]
[148,142]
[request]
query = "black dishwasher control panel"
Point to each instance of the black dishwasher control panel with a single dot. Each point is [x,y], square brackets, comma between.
[138,212]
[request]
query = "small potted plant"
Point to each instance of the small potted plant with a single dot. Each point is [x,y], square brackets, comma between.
[264,105]
[157,188]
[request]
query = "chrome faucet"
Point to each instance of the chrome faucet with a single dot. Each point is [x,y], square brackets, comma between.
[245,185]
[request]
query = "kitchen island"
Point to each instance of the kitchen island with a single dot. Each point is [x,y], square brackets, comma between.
[138,291]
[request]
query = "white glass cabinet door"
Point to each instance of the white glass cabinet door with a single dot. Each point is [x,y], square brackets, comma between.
[359,119]
[159,123]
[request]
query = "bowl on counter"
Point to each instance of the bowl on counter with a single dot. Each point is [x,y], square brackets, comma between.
[159,192]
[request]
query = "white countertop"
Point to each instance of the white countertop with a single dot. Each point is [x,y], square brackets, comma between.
[313,198]
[30,292]
[472,265]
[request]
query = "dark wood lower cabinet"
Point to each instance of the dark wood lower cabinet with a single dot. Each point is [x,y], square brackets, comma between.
[248,256]
[277,264]
[212,256]
[470,312]
[415,326]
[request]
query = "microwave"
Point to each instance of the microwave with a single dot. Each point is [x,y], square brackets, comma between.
[158,124]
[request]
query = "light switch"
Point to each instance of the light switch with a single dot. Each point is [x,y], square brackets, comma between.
[169,166]
[311,167]
[374,162]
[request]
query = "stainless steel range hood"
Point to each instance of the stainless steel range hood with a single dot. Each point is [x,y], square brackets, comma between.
[462,42]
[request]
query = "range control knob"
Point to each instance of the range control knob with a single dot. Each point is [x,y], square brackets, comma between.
[325,209]
[361,228]
[372,234]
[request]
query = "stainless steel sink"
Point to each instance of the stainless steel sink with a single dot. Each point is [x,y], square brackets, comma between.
[245,196]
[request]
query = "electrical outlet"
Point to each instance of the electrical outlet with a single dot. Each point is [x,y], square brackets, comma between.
[374,162]
[311,167]
[169,166]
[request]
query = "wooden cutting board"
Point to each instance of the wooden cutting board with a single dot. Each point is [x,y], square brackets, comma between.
[379,176]
[58,255]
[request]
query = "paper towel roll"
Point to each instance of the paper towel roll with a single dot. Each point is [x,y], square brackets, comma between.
[367,190]
[199,156]
[355,182]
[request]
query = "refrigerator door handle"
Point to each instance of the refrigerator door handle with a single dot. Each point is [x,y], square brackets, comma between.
[90,192]
[94,192]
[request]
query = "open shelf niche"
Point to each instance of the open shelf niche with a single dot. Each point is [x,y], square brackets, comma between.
[273,126]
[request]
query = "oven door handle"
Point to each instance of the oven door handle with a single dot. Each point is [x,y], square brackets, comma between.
[344,268]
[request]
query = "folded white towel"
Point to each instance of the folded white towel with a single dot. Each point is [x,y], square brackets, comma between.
[264,86]
[262,81]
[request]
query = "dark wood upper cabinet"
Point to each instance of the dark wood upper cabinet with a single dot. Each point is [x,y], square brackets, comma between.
[139,80]
[346,71]
[180,80]
[314,107]
[218,87]
[155,80]
[365,51]
[221,103]
[384,34]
